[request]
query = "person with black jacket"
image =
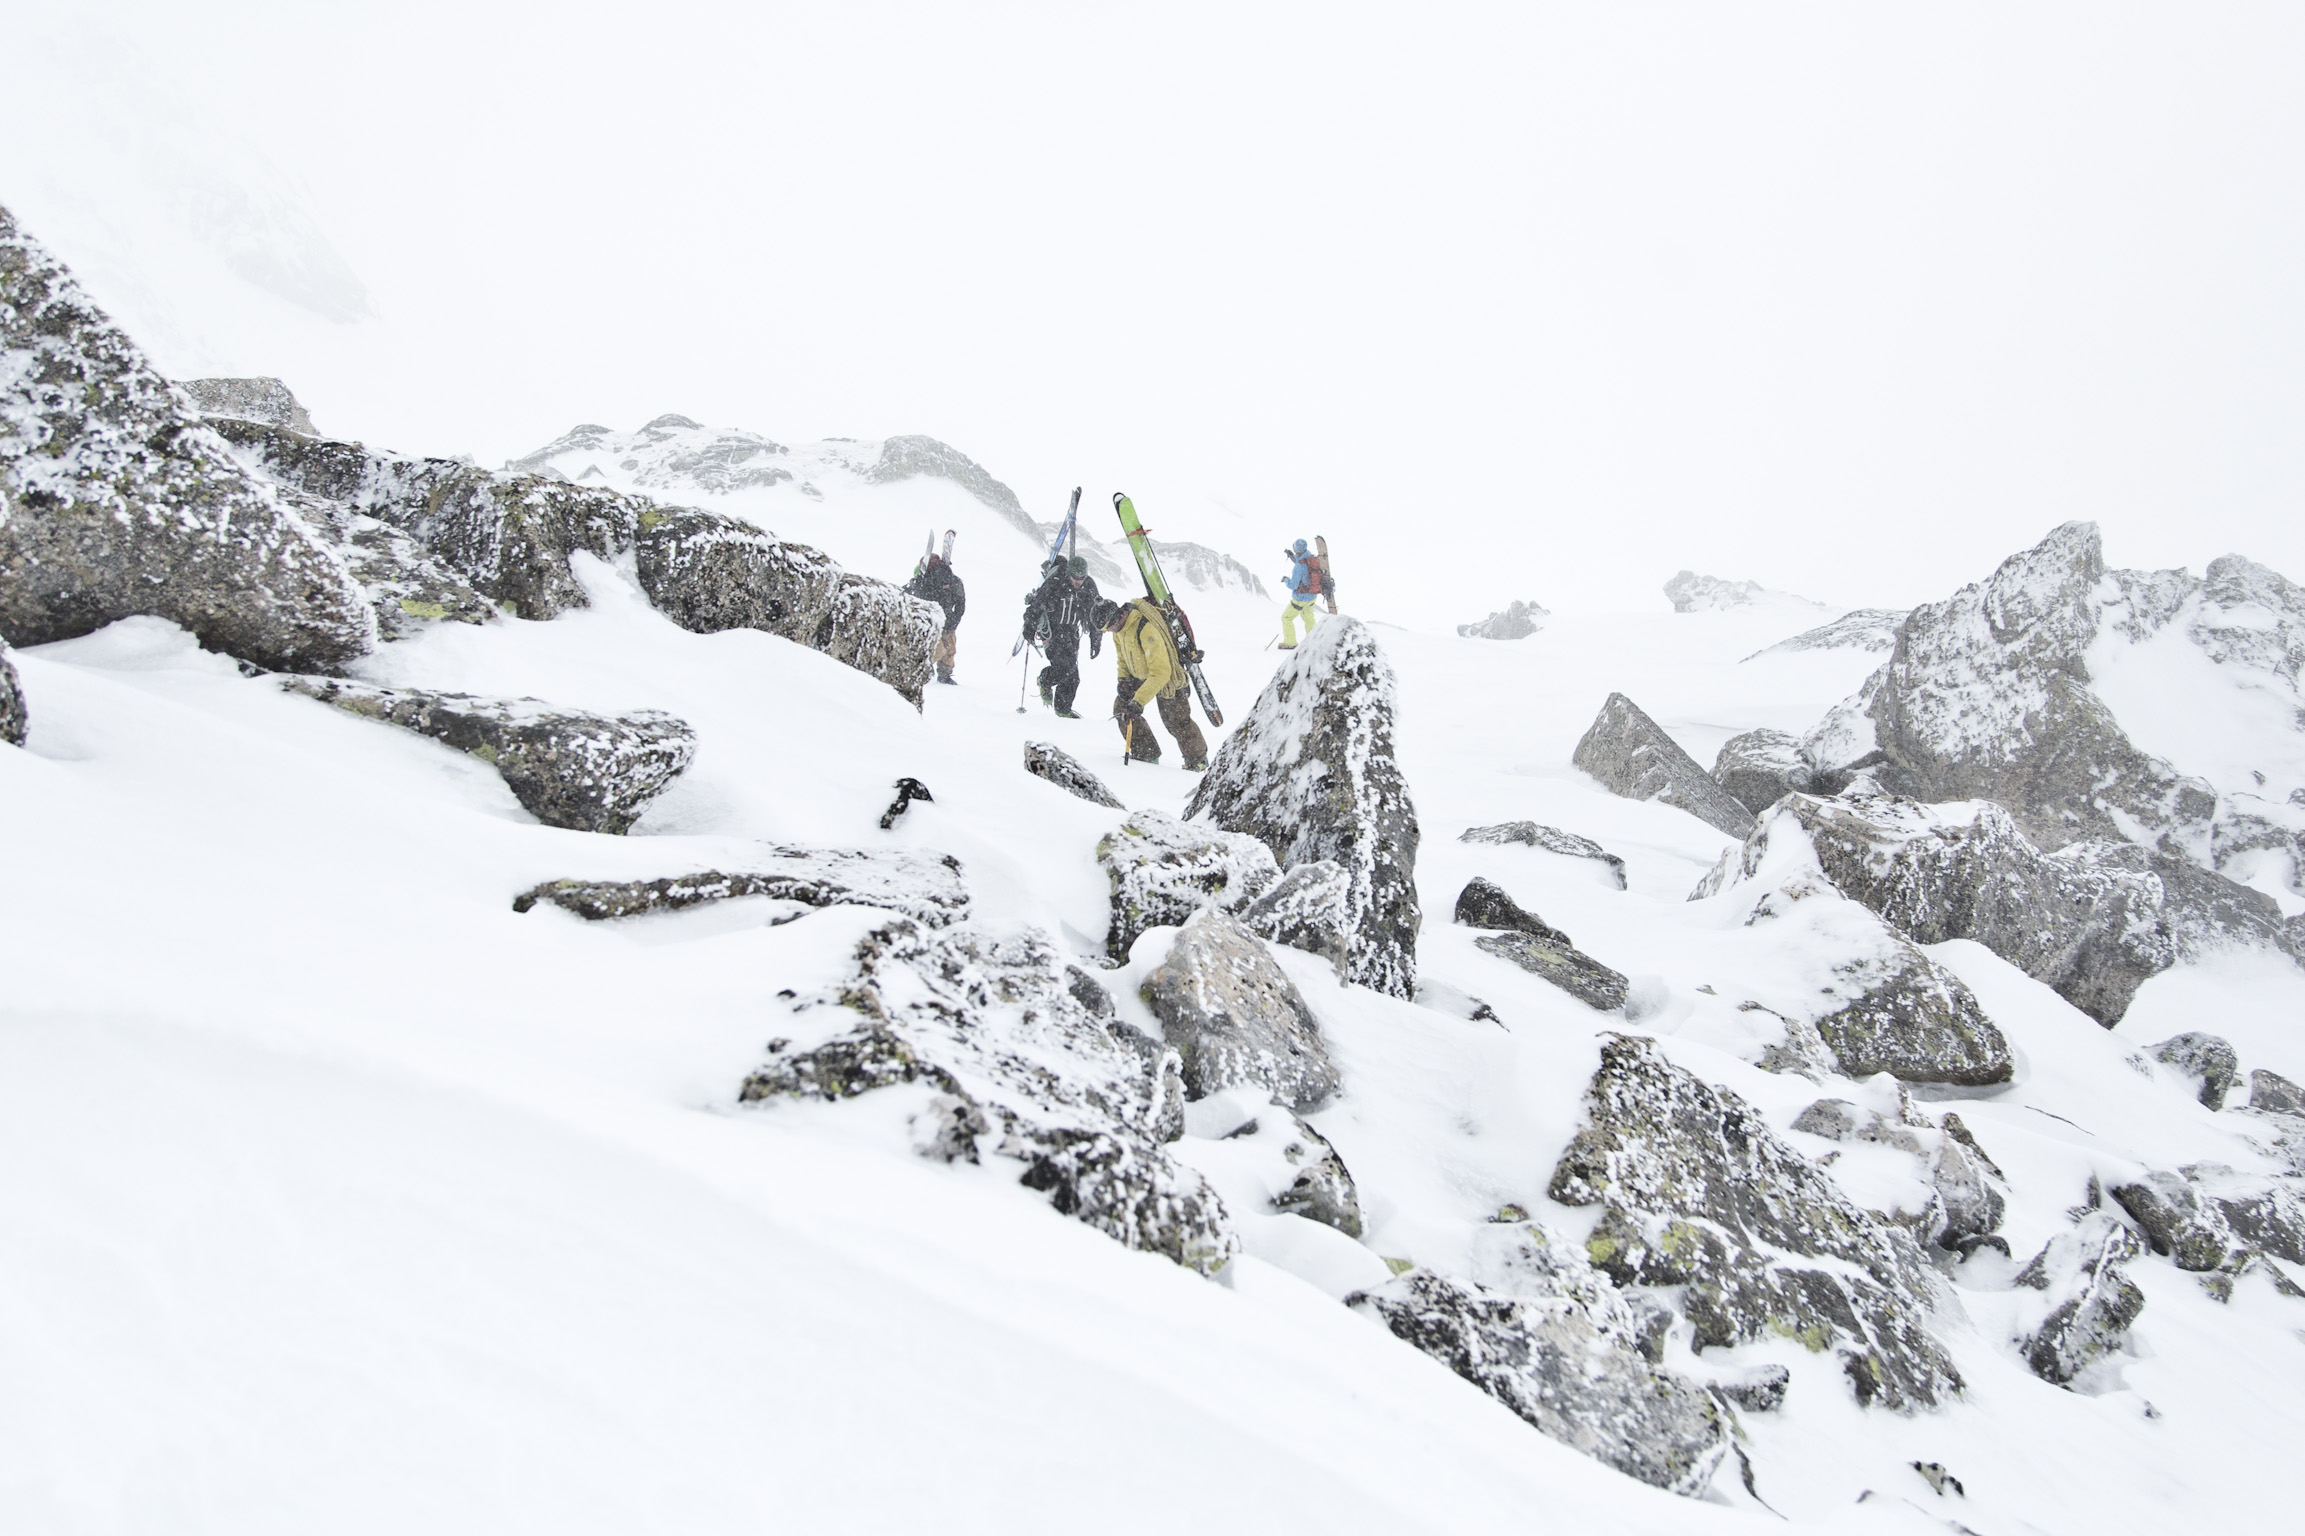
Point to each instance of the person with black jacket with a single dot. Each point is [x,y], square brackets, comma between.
[1059,612]
[941,585]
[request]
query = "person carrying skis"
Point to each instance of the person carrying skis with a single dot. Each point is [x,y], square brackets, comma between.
[1304,585]
[1062,609]
[1150,673]
[941,585]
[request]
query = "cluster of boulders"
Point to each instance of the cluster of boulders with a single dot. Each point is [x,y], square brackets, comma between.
[1517,620]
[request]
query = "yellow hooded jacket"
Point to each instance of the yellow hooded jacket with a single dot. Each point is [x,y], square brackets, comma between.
[1145,651]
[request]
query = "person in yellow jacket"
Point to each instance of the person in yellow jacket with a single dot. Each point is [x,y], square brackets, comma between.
[1150,673]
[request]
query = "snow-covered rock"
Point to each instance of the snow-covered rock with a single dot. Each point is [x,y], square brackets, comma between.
[1517,621]
[1692,593]
[1696,1190]
[1006,1061]
[1550,1365]
[2089,1301]
[1534,834]
[2271,1093]
[15,720]
[2218,1223]
[1632,756]
[567,767]
[2207,1059]
[1235,1018]
[1046,760]
[1162,871]
[1323,1189]
[260,399]
[1536,946]
[671,453]
[1308,908]
[1860,629]
[1966,1200]
[1760,768]
[115,500]
[924,887]
[1310,773]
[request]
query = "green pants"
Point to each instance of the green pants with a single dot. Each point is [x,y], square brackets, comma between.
[1301,609]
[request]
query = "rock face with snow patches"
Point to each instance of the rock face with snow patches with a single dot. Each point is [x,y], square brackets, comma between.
[1046,760]
[1163,871]
[1006,1061]
[1966,1200]
[1308,908]
[1552,1367]
[267,400]
[115,500]
[2088,1300]
[1517,621]
[1310,773]
[1862,629]
[1535,834]
[567,767]
[1697,1191]
[15,719]
[1236,1018]
[924,887]
[1632,756]
[671,453]
[1760,768]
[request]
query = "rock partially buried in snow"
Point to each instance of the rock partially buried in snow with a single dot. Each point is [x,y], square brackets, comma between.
[1308,908]
[1967,1203]
[1163,871]
[1632,756]
[1760,768]
[1045,760]
[923,886]
[116,501]
[2207,1059]
[1537,947]
[1310,773]
[1517,621]
[1009,1063]
[2091,1301]
[1917,1021]
[1236,1018]
[1550,1366]
[1536,834]
[1697,1191]
[15,719]
[568,768]
[2275,1094]
[1485,904]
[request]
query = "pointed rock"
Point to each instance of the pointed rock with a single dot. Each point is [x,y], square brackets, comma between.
[1632,756]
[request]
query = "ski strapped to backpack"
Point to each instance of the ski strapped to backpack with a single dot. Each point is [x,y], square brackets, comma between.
[1328,581]
[1064,530]
[1180,628]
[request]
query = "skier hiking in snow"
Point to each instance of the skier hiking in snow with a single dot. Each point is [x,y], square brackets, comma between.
[1307,580]
[1062,609]
[1151,672]
[940,584]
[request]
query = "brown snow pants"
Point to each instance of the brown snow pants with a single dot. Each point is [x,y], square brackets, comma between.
[1176,713]
[947,648]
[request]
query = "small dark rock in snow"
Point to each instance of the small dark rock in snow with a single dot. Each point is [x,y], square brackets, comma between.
[116,500]
[568,767]
[2091,1303]
[1517,621]
[1323,1189]
[1761,1392]
[908,790]
[1760,768]
[2272,1092]
[1164,870]
[1632,756]
[1536,834]
[993,1028]
[261,399]
[1939,1480]
[1485,904]
[1310,773]
[1047,761]
[2207,1059]
[1236,1018]
[923,886]
[15,720]
[1550,1366]
[1308,908]
[1537,947]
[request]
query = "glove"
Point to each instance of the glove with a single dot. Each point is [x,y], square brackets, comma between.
[1129,709]
[1095,644]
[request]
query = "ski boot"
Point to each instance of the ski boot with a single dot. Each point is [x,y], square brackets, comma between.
[1047,696]
[1066,714]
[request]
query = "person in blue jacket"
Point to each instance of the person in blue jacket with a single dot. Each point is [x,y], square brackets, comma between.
[1304,586]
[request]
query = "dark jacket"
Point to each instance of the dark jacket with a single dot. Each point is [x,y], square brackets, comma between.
[941,586]
[1057,608]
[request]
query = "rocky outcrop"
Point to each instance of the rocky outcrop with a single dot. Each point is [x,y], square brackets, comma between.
[1860,629]
[406,587]
[1163,871]
[1235,1018]
[2089,1301]
[1308,908]
[2207,1059]
[567,767]
[1692,593]
[116,501]
[2216,1222]
[1632,756]
[1553,1368]
[1534,834]
[1517,621]
[925,887]
[671,453]
[15,718]
[2092,921]
[1760,768]
[261,399]
[1009,1063]
[1697,1191]
[2271,1093]
[1310,773]
[1966,1202]
[1046,760]
[1537,947]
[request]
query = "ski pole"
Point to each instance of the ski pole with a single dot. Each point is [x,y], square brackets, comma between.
[1020,677]
[1128,742]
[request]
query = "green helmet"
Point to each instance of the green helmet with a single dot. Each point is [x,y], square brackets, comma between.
[1078,565]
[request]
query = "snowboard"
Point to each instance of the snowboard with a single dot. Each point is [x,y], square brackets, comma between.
[1328,573]
[1156,585]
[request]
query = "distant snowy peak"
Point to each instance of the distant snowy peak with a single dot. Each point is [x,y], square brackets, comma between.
[1517,621]
[1863,629]
[1692,593]
[671,453]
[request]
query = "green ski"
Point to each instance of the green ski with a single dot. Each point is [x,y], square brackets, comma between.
[1180,628]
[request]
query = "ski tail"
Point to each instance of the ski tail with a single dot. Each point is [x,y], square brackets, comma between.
[948,538]
[1157,587]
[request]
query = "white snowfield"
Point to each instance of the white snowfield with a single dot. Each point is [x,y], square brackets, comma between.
[341,1197]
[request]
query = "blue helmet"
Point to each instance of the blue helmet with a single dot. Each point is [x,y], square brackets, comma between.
[1300,548]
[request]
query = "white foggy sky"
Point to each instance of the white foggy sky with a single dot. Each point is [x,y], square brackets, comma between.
[1529,300]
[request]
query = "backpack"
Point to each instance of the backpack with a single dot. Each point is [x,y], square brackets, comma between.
[1318,570]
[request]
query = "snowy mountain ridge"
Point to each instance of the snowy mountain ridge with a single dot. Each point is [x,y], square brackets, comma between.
[1692,593]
